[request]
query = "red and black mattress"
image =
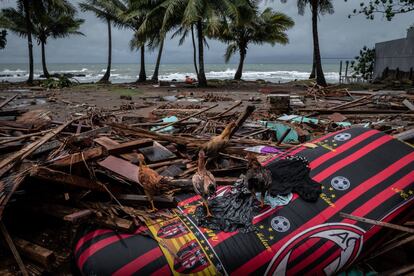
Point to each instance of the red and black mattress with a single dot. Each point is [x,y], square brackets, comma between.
[362,172]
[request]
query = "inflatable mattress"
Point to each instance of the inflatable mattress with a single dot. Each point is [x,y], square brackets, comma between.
[363,172]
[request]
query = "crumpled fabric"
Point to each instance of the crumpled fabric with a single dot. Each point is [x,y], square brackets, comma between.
[232,211]
[292,175]
[279,200]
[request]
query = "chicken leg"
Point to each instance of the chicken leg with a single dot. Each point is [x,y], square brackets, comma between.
[151,200]
[262,199]
[153,207]
[208,209]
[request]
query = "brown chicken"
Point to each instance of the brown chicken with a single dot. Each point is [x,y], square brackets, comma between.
[150,180]
[204,182]
[217,143]
[258,178]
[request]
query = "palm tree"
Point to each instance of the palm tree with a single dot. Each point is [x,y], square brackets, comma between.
[267,27]
[131,14]
[18,21]
[3,39]
[200,13]
[317,7]
[104,11]
[56,19]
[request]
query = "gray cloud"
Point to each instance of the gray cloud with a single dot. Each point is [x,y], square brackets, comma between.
[339,37]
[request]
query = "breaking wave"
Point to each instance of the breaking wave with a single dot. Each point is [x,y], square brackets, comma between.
[129,73]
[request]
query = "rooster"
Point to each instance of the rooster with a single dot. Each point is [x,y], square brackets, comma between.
[217,143]
[258,178]
[150,180]
[204,182]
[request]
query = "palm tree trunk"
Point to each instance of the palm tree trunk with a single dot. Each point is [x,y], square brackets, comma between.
[202,80]
[194,50]
[313,73]
[157,64]
[29,39]
[142,74]
[320,78]
[239,71]
[105,77]
[45,72]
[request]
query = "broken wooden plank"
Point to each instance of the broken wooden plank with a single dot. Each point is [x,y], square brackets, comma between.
[242,118]
[226,111]
[6,101]
[187,117]
[106,142]
[13,249]
[11,139]
[79,157]
[354,111]
[129,146]
[143,199]
[78,216]
[389,247]
[18,156]
[34,252]
[90,133]
[121,167]
[49,146]
[12,112]
[50,175]
[408,104]
[378,223]
[405,135]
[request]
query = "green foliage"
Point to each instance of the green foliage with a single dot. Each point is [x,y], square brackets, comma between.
[389,8]
[265,27]
[57,83]
[364,63]
[54,18]
[3,39]
[48,18]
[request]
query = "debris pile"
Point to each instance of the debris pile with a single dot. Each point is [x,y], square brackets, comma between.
[86,170]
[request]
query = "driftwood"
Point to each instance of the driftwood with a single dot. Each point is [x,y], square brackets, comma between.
[18,138]
[378,223]
[13,249]
[5,102]
[226,111]
[12,160]
[36,253]
[59,177]
[186,118]
[80,157]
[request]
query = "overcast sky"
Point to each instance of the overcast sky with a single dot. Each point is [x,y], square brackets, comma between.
[339,36]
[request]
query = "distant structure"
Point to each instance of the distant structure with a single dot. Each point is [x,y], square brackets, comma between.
[395,58]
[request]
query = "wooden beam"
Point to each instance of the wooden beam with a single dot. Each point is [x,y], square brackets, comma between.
[79,157]
[13,249]
[186,118]
[50,175]
[9,162]
[378,223]
[34,252]
[226,111]
[5,102]
[129,146]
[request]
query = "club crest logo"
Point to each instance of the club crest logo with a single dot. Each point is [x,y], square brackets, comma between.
[342,241]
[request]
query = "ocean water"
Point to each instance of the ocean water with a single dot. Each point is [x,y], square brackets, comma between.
[122,73]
